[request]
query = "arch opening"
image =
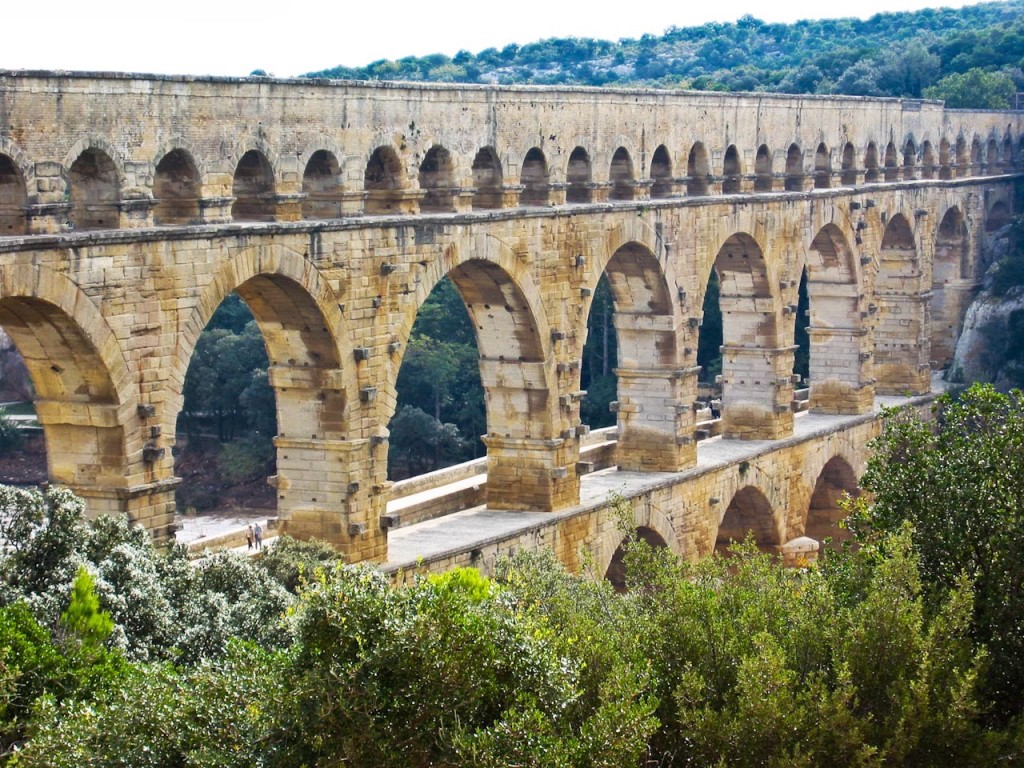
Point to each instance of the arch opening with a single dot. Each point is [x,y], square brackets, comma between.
[616,572]
[322,187]
[824,514]
[822,167]
[871,163]
[748,514]
[75,398]
[534,178]
[95,191]
[698,171]
[176,189]
[578,177]
[963,162]
[949,266]
[998,216]
[794,169]
[253,188]
[661,173]
[600,359]
[848,174]
[621,175]
[262,395]
[901,332]
[763,170]
[383,181]
[488,180]
[732,171]
[437,180]
[13,198]
[439,411]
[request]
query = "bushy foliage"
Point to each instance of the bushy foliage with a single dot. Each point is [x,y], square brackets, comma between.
[872,659]
[959,482]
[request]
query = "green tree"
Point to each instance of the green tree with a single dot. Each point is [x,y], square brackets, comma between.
[959,483]
[974,89]
[84,620]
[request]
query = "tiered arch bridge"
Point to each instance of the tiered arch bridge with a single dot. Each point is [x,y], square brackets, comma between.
[131,206]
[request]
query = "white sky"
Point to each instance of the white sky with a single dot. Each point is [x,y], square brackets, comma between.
[296,36]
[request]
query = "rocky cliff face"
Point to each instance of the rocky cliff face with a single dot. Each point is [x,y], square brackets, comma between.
[991,344]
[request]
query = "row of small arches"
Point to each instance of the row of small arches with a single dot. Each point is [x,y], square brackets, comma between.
[93,185]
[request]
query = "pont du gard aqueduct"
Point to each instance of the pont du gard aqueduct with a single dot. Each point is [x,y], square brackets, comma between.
[131,206]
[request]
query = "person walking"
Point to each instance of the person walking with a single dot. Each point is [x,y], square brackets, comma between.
[249,537]
[258,533]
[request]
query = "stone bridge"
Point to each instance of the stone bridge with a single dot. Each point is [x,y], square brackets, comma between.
[131,206]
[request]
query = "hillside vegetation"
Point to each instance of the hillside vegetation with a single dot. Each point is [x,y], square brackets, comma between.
[910,54]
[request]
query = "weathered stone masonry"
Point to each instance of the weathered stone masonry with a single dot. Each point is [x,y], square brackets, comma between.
[132,205]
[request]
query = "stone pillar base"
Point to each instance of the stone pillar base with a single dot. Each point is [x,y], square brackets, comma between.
[656,419]
[531,475]
[325,491]
[757,392]
[150,505]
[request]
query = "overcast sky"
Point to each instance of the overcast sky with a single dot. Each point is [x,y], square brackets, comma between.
[296,36]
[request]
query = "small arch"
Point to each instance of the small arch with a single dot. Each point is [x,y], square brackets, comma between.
[992,157]
[871,163]
[578,177]
[822,167]
[95,191]
[763,169]
[621,175]
[321,185]
[794,168]
[848,174]
[253,188]
[836,481]
[661,173]
[698,171]
[383,181]
[616,571]
[1007,153]
[749,512]
[909,160]
[13,198]
[732,171]
[963,160]
[928,166]
[437,179]
[892,171]
[176,188]
[534,178]
[946,160]
[488,180]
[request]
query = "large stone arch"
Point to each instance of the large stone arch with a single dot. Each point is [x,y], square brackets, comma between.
[320,446]
[756,366]
[901,346]
[531,464]
[840,369]
[750,511]
[650,524]
[86,396]
[951,285]
[652,376]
